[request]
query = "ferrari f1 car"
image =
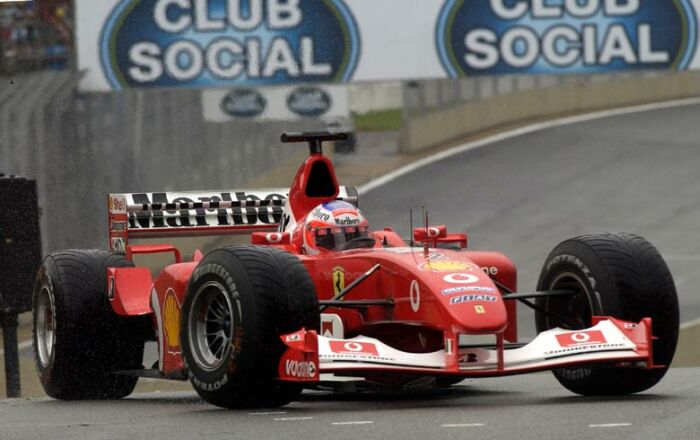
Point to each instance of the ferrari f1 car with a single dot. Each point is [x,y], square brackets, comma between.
[317,299]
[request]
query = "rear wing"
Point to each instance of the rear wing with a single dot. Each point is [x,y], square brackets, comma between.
[198,213]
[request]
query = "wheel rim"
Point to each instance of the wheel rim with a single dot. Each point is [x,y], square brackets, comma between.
[211,326]
[45,326]
[575,311]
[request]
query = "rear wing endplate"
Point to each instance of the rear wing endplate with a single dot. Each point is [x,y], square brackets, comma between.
[198,213]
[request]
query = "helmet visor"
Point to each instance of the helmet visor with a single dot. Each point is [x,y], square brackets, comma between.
[339,238]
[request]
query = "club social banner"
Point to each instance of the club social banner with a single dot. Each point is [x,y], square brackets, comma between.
[230,43]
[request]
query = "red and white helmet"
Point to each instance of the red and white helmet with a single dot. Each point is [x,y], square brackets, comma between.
[335,225]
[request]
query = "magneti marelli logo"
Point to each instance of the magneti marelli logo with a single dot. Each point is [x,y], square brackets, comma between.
[476,37]
[204,43]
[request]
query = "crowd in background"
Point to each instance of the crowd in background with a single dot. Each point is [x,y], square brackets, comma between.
[35,34]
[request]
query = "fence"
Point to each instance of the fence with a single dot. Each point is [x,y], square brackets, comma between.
[80,147]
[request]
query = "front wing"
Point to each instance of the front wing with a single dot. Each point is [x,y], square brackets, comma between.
[608,340]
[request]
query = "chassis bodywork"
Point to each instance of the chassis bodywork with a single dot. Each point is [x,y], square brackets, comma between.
[391,311]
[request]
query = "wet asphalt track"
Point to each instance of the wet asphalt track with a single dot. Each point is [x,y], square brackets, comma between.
[536,408]
[637,173]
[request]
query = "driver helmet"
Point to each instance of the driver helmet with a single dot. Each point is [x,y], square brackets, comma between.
[334,226]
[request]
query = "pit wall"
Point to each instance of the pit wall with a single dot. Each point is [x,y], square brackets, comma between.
[431,128]
[688,351]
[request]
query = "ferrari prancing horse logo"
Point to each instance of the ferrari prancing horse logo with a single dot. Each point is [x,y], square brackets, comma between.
[338,280]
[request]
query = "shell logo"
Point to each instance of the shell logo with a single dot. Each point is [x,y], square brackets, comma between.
[171,320]
[446,266]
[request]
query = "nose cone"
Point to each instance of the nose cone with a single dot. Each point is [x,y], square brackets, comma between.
[470,298]
[477,308]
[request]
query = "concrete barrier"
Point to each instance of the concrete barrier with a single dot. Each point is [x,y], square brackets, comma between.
[688,351]
[443,125]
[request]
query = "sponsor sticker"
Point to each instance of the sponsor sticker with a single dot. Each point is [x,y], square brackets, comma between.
[171,320]
[458,289]
[480,310]
[175,210]
[331,326]
[352,347]
[472,298]
[415,296]
[117,204]
[293,338]
[446,266]
[460,278]
[490,270]
[118,245]
[581,338]
[433,232]
[348,220]
[302,369]
[338,280]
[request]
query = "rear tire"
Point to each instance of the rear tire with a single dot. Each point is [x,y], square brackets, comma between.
[78,339]
[239,301]
[620,275]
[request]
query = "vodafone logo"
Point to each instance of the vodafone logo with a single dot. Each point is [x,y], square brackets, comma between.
[460,278]
[300,369]
[433,232]
[353,347]
[415,296]
[274,237]
[581,338]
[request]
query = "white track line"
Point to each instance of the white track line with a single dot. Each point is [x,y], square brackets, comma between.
[376,183]
[286,419]
[21,346]
[358,422]
[462,425]
[610,425]
[267,413]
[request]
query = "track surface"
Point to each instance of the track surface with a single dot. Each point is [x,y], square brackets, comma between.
[507,408]
[636,173]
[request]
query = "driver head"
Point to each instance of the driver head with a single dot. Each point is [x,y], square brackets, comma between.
[332,226]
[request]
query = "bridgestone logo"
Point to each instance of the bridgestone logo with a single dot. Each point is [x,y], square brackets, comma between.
[300,369]
[207,386]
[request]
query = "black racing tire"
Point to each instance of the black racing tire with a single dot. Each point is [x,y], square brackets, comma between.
[239,302]
[78,339]
[620,275]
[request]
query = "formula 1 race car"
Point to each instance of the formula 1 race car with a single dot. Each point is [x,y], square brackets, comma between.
[319,300]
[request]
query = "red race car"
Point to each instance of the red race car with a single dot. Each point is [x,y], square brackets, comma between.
[319,299]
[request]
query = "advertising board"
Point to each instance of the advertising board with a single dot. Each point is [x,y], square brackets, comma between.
[227,43]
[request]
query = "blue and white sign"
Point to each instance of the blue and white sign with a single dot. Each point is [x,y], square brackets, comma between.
[327,102]
[203,43]
[565,36]
[229,44]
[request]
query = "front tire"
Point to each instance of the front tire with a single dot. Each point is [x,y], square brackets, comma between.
[239,301]
[620,275]
[79,342]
